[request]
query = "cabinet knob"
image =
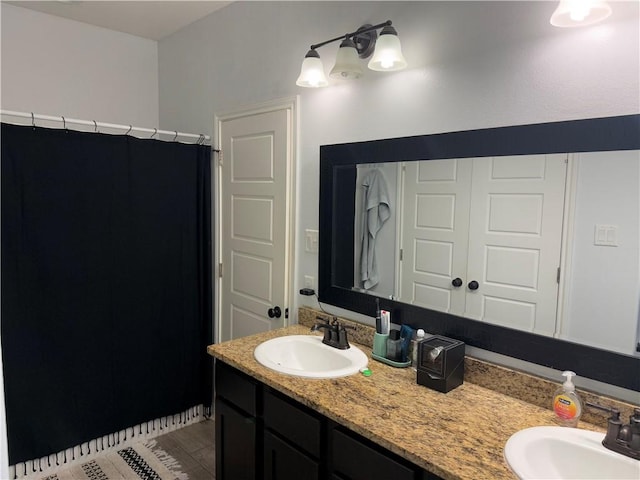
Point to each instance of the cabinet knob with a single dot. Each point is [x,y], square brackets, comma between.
[473,285]
[274,312]
[456,282]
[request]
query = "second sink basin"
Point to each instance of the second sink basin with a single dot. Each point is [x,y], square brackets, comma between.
[563,453]
[307,356]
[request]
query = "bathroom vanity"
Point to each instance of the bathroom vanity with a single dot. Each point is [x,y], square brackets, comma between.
[275,426]
[261,433]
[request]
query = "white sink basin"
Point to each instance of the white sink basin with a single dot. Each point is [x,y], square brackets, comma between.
[307,356]
[563,453]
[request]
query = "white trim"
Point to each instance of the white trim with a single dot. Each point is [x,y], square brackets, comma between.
[291,105]
[566,242]
[400,207]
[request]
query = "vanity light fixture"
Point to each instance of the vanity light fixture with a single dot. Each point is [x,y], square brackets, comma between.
[580,13]
[386,50]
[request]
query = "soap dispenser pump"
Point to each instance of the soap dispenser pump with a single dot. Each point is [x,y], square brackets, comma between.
[566,402]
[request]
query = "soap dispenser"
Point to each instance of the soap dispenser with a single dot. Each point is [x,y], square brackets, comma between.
[566,402]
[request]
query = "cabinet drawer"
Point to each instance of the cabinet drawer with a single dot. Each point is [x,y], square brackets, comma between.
[357,460]
[236,387]
[293,421]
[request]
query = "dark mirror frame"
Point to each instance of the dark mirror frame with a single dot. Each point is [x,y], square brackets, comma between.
[336,246]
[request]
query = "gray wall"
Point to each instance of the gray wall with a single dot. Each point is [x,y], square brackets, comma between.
[55,66]
[473,65]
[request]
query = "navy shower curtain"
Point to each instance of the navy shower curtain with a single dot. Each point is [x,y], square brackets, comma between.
[106,284]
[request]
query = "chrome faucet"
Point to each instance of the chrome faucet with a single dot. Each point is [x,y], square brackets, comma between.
[335,333]
[623,439]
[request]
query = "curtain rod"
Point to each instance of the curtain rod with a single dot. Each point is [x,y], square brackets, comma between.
[199,139]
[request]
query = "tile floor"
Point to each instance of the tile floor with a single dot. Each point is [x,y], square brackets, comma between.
[193,447]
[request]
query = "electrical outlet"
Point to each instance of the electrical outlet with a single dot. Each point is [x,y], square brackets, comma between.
[309,282]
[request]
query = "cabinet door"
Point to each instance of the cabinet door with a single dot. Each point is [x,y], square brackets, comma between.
[300,426]
[235,444]
[357,459]
[284,462]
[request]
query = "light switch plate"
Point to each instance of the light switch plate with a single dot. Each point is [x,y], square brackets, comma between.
[311,241]
[606,235]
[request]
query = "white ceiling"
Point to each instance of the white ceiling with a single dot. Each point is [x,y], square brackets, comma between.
[149,19]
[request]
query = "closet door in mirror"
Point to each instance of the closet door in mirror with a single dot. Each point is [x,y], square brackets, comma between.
[435,233]
[515,232]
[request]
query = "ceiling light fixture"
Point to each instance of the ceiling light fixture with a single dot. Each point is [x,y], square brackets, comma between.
[579,13]
[386,50]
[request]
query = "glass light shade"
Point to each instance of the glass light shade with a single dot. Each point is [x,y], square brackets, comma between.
[388,53]
[347,64]
[312,72]
[579,13]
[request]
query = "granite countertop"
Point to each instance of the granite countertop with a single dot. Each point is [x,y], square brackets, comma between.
[457,435]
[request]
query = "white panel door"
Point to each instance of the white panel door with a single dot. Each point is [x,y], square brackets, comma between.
[254,222]
[515,230]
[435,233]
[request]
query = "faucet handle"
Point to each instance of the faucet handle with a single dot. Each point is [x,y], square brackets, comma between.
[615,413]
[343,341]
[634,420]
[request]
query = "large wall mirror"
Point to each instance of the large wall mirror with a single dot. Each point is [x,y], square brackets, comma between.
[519,240]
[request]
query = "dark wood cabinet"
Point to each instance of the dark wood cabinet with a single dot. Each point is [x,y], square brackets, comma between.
[282,461]
[263,434]
[356,458]
[292,439]
[236,443]
[238,433]
[300,425]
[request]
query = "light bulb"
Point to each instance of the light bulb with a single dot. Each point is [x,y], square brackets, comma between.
[578,13]
[388,53]
[579,10]
[312,71]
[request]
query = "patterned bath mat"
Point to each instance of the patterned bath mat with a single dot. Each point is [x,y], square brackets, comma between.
[137,462]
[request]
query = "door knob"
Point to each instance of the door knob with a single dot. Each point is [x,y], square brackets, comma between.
[456,282]
[473,285]
[274,312]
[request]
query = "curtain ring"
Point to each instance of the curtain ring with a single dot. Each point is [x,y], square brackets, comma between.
[176,136]
[95,125]
[128,130]
[155,130]
[64,123]
[33,120]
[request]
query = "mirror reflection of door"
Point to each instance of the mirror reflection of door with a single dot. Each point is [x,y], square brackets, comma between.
[482,236]
[435,233]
